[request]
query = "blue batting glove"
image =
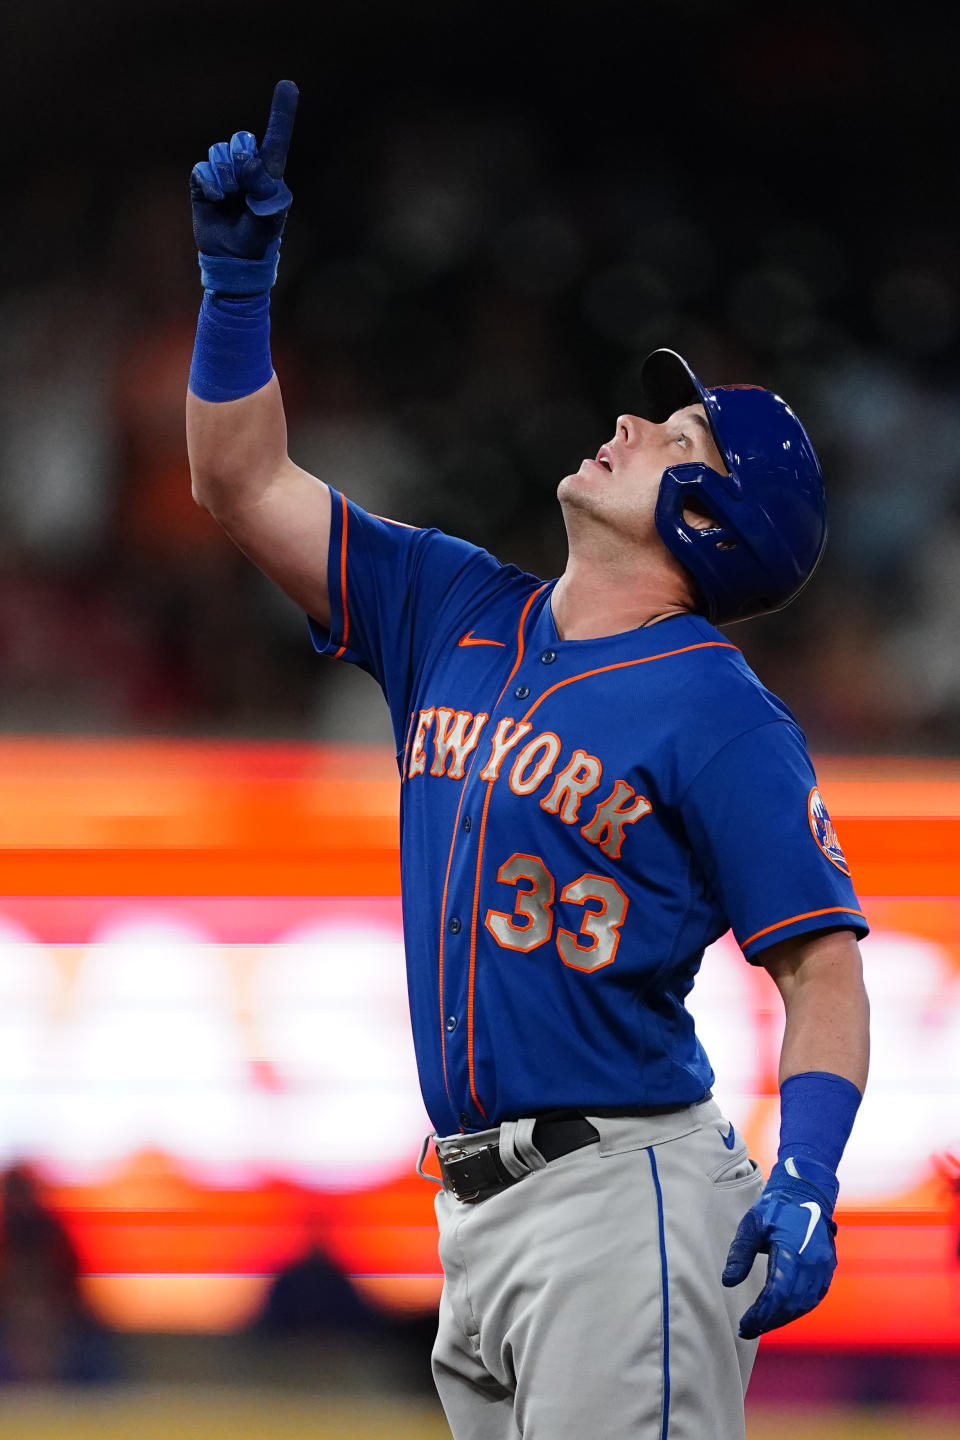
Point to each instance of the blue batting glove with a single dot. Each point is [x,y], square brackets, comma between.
[792,1224]
[240,201]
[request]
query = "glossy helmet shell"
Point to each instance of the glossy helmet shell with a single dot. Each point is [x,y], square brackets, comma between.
[770,510]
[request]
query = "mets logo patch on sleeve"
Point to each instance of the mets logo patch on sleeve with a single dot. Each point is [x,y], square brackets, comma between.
[821,827]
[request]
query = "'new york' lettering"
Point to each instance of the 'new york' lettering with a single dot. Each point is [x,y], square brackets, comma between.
[453,735]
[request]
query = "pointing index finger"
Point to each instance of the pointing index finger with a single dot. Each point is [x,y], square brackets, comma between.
[276,140]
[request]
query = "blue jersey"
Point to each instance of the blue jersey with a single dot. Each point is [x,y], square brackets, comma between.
[579,819]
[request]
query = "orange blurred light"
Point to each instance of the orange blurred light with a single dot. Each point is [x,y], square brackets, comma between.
[226,822]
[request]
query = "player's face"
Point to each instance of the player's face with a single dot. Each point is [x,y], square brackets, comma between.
[620,486]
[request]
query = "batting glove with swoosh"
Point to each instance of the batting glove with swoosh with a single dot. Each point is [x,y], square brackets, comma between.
[792,1224]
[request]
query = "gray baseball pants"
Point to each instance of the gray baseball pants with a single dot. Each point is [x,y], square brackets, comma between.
[585,1301]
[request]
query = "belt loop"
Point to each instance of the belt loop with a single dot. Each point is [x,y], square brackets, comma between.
[517,1150]
[423,1155]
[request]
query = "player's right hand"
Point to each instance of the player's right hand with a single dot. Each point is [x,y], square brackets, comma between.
[238,195]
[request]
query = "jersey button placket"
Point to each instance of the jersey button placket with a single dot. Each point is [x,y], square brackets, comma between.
[454,958]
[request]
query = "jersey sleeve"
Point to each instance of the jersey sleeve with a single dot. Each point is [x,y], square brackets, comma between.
[395,591]
[765,842]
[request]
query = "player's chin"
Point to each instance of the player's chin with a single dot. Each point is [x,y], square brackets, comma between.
[575,490]
[589,502]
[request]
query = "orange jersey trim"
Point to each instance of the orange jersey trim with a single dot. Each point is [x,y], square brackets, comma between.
[520,643]
[473,950]
[343,580]
[623,664]
[807,915]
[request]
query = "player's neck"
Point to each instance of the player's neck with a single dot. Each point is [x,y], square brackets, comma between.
[594,599]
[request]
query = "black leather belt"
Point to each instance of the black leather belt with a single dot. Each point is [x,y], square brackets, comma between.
[480,1173]
[474,1175]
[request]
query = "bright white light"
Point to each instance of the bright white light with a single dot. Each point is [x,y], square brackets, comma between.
[726,1000]
[153,1056]
[331,1007]
[28,990]
[911,1108]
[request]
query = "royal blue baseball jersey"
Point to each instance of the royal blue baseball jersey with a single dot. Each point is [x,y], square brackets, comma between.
[579,820]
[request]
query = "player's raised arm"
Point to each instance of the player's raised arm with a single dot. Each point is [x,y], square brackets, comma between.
[278,514]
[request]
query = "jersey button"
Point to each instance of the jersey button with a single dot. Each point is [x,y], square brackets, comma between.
[455,926]
[548,657]
[452,1022]
[522,691]
[465,1119]
[467,822]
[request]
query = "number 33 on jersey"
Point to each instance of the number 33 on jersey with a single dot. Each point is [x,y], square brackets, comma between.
[579,820]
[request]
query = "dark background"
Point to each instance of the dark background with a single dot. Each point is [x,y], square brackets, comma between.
[498,210]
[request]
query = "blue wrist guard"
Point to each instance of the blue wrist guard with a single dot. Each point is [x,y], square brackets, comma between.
[817,1111]
[231,357]
[232,275]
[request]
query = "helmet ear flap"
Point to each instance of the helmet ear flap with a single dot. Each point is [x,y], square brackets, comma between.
[736,563]
[700,488]
[683,486]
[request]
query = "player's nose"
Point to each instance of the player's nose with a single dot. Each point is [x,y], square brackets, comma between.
[633,429]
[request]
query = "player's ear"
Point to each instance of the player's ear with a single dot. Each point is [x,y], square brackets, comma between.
[695,513]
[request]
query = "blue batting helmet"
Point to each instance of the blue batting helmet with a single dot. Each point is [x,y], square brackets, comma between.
[770,510]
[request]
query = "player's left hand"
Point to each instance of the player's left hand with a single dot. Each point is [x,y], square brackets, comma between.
[792,1224]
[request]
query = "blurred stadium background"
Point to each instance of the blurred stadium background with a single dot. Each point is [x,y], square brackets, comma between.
[208,1115]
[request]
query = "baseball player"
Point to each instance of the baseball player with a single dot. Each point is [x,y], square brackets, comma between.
[594,787]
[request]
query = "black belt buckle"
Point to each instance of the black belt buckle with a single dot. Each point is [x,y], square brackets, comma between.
[474,1175]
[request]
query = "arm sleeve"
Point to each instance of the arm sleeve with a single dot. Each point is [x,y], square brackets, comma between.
[761,832]
[397,591]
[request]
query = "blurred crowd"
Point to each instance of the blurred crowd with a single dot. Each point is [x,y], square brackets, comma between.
[465,296]
[310,1317]
[47,1329]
